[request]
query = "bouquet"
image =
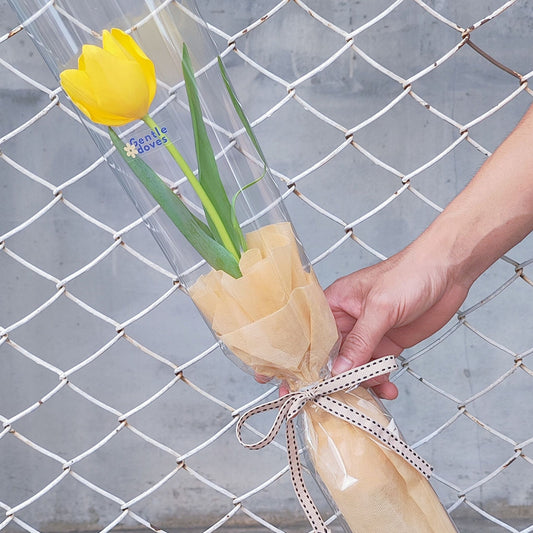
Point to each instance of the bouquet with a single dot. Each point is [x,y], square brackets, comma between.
[276,319]
[211,204]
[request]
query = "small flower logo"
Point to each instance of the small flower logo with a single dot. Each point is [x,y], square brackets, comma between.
[131,150]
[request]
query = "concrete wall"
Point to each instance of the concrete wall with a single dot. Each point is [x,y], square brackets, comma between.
[120,286]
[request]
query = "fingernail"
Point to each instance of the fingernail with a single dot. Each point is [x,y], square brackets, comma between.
[342,364]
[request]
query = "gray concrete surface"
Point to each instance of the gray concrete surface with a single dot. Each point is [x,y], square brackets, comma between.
[465,526]
[348,91]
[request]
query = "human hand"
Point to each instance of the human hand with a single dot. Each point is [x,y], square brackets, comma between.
[382,309]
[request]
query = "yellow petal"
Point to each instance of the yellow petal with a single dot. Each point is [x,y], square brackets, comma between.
[77,85]
[112,45]
[86,49]
[128,43]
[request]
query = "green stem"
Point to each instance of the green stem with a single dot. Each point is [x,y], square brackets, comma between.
[198,189]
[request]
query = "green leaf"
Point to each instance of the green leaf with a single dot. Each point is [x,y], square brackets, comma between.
[240,112]
[234,219]
[208,174]
[193,229]
[251,134]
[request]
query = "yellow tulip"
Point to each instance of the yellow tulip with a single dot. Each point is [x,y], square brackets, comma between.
[112,85]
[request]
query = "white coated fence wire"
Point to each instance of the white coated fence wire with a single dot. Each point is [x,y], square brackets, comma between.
[55,496]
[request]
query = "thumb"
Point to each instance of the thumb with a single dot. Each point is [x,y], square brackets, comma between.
[360,343]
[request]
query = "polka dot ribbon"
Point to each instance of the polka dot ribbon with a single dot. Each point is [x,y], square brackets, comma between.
[291,404]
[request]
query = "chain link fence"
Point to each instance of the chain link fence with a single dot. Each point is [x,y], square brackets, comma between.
[117,409]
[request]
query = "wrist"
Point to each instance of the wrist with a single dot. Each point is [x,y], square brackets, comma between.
[472,233]
[451,248]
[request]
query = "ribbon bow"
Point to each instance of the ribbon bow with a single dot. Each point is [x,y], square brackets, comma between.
[291,404]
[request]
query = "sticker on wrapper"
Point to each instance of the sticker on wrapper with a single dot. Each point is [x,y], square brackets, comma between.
[148,141]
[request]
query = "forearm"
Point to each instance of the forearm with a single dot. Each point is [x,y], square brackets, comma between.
[492,214]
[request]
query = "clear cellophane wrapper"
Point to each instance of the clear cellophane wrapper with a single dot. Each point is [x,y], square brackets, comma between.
[277,321]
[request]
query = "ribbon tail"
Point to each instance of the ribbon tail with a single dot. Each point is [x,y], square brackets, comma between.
[302,493]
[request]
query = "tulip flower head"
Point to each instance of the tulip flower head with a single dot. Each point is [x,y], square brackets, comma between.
[114,84]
